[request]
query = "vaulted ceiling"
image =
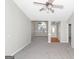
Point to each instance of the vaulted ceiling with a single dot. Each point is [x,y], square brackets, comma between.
[32,11]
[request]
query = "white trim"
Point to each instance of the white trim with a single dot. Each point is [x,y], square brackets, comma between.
[63,41]
[19,49]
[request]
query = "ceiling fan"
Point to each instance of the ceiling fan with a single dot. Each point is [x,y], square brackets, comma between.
[49,5]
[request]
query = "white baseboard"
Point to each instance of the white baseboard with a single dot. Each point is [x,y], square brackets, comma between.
[64,41]
[19,49]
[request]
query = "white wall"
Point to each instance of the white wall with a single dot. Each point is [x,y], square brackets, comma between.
[71,21]
[49,31]
[63,31]
[18,29]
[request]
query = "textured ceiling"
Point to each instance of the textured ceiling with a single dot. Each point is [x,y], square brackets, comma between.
[32,11]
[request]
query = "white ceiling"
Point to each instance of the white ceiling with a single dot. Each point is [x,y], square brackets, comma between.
[32,11]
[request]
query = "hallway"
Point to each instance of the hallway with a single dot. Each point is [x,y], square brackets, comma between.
[41,49]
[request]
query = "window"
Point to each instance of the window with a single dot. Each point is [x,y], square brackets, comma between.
[42,26]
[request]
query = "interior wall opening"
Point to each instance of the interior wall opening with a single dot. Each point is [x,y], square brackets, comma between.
[39,29]
[69,32]
[55,31]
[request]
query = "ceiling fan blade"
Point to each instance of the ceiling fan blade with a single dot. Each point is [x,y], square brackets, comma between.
[41,9]
[39,3]
[57,6]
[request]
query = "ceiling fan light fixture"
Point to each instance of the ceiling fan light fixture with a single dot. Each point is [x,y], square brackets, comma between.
[52,10]
[49,5]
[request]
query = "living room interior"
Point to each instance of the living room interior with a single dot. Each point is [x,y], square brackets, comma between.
[39,29]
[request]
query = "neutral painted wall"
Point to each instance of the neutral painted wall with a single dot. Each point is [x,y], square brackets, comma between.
[63,32]
[49,31]
[71,21]
[18,29]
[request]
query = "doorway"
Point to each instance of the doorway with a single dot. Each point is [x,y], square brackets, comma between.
[55,32]
[69,32]
[39,29]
